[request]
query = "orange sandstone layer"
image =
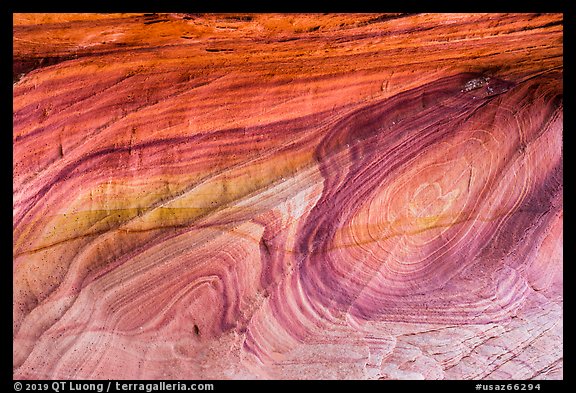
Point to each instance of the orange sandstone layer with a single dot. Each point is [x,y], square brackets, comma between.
[240,196]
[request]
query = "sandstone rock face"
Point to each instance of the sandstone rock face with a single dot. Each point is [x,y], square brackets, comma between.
[287,196]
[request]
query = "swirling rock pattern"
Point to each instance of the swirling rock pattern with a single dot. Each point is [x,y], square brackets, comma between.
[287,196]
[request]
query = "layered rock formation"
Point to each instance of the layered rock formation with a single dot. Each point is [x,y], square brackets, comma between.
[287,196]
